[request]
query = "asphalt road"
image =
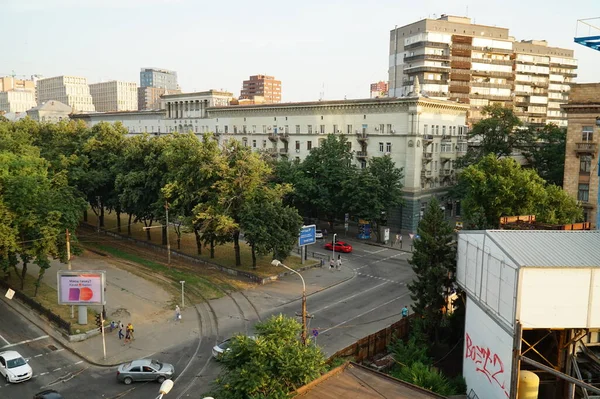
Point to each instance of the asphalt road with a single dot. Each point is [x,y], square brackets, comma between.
[369,301]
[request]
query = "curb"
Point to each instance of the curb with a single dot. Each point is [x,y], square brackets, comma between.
[34,318]
[375,244]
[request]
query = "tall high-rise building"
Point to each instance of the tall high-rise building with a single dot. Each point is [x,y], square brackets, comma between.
[155,77]
[114,96]
[478,65]
[262,86]
[379,89]
[16,95]
[581,155]
[150,97]
[69,90]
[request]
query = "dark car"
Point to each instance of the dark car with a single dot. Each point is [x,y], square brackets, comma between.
[48,394]
[145,370]
[340,246]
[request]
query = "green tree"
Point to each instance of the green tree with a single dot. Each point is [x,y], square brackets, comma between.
[501,187]
[374,191]
[272,365]
[326,168]
[500,133]
[434,264]
[546,152]
[269,225]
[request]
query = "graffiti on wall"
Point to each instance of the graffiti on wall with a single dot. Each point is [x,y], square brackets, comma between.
[488,363]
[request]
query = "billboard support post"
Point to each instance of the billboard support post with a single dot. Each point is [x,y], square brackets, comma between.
[82,315]
[101,329]
[308,236]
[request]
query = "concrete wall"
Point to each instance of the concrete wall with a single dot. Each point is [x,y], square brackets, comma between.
[487,364]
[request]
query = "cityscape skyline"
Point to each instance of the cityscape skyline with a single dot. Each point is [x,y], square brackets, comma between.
[348,56]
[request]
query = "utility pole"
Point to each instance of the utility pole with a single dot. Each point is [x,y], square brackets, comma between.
[68,239]
[168,242]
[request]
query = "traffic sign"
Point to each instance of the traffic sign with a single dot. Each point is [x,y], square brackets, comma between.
[308,235]
[315,332]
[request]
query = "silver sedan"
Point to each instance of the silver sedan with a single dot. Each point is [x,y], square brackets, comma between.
[145,370]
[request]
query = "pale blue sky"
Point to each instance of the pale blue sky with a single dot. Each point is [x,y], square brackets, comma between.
[342,44]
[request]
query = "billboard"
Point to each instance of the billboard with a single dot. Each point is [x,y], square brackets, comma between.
[307,235]
[79,287]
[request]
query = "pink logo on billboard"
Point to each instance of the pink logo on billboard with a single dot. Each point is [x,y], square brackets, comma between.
[486,362]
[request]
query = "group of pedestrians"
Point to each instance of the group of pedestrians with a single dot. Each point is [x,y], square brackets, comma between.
[128,335]
[335,264]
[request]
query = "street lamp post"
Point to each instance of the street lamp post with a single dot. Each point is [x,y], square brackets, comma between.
[168,242]
[182,298]
[333,247]
[165,388]
[277,263]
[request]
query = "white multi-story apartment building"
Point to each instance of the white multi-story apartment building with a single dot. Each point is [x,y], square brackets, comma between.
[17,100]
[423,136]
[70,90]
[479,65]
[114,96]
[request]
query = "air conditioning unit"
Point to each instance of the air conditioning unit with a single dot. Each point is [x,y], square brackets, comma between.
[356,131]
[338,131]
[269,128]
[376,129]
[388,153]
[393,130]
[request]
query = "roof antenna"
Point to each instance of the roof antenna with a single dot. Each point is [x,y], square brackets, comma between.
[322,93]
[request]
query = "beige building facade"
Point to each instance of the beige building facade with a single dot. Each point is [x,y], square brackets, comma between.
[16,95]
[9,83]
[114,96]
[423,136]
[70,90]
[479,65]
[581,156]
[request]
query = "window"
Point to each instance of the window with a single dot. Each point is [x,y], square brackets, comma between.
[287,129]
[264,143]
[389,128]
[437,129]
[297,129]
[297,145]
[587,133]
[585,164]
[443,130]
[436,147]
[435,164]
[335,129]
[388,147]
[584,192]
[309,145]
[244,129]
[349,129]
[364,129]
[253,128]
[322,129]
[425,129]
[382,128]
[235,129]
[275,129]
[253,143]
[226,129]
[363,164]
[309,129]
[245,141]
[264,128]
[381,147]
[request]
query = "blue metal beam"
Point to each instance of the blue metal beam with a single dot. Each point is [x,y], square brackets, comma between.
[592,42]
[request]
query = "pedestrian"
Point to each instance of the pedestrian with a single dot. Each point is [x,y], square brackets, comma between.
[324,232]
[331,264]
[397,241]
[177,313]
[113,325]
[129,331]
[404,312]
[120,325]
[338,264]
[322,262]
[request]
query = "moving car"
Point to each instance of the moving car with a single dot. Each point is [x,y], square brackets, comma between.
[48,394]
[14,368]
[145,370]
[340,246]
[319,234]
[219,349]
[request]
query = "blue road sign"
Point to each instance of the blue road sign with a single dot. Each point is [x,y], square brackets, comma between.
[308,235]
[315,332]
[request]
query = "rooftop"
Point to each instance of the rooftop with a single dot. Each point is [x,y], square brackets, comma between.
[544,248]
[352,380]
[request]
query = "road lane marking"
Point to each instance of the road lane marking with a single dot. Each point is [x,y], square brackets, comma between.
[375,252]
[364,313]
[43,373]
[348,298]
[81,361]
[60,368]
[7,343]
[24,342]
[380,260]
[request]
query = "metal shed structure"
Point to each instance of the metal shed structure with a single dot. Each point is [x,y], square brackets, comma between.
[533,303]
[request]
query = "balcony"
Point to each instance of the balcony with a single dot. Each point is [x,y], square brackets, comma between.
[427,157]
[446,137]
[273,137]
[362,137]
[284,136]
[447,156]
[427,138]
[419,57]
[446,172]
[426,44]
[586,147]
[426,175]
[361,154]
[272,151]
[283,151]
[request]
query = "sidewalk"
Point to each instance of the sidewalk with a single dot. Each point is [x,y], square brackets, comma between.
[129,298]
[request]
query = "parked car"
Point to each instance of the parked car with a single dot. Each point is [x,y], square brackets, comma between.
[219,349]
[14,368]
[340,246]
[145,370]
[48,394]
[319,234]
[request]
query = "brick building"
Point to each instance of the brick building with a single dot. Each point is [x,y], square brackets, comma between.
[379,89]
[263,86]
[581,157]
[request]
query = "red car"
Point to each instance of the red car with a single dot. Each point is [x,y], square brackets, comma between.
[340,246]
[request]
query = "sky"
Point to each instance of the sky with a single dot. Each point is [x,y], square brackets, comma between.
[337,47]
